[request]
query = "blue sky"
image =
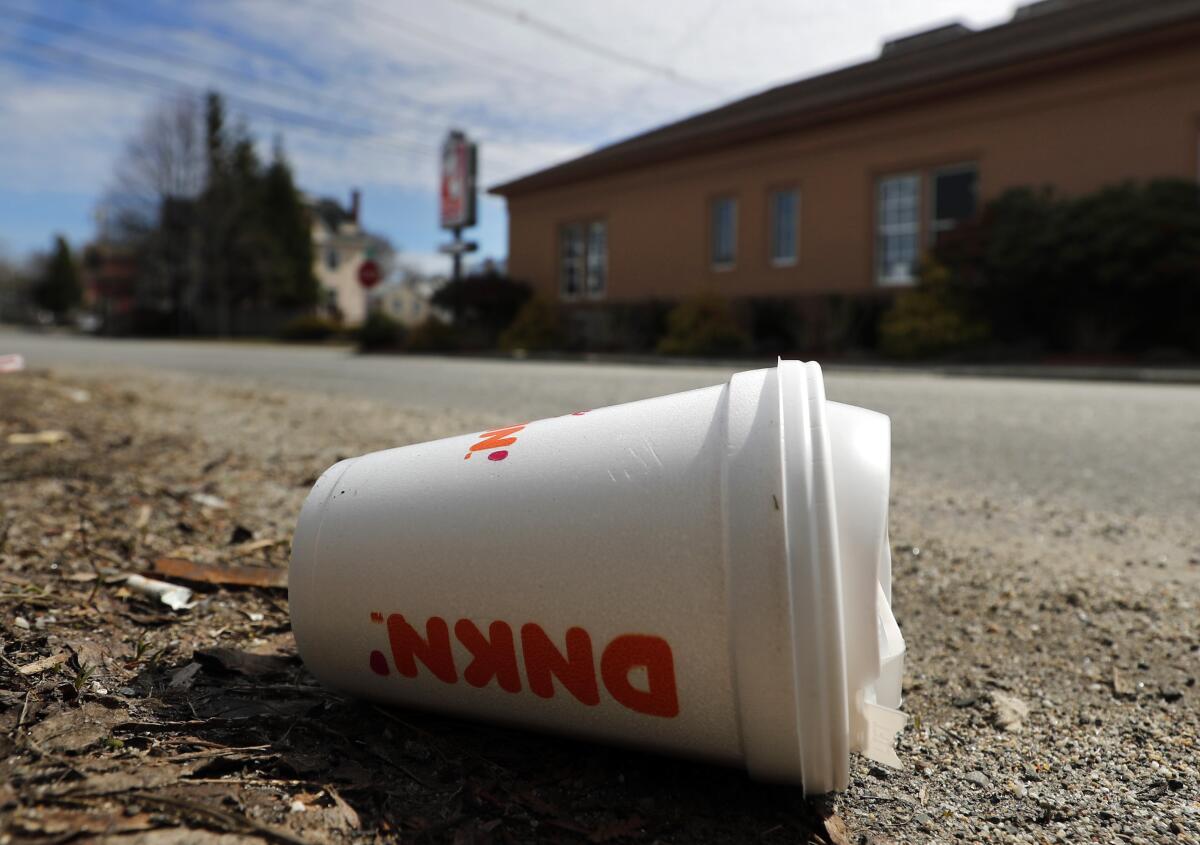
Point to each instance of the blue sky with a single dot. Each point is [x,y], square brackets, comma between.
[362,91]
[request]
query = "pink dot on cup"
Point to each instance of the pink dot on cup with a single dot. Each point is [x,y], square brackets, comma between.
[498,455]
[379,664]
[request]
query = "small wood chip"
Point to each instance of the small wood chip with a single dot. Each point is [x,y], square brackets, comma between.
[227,576]
[45,663]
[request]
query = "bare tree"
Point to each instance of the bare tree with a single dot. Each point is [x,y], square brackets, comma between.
[163,163]
[150,206]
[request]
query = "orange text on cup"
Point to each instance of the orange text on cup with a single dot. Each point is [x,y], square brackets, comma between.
[494,659]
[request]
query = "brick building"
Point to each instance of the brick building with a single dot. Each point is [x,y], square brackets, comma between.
[834,186]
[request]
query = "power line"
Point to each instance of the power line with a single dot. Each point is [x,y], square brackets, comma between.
[289,117]
[125,46]
[471,53]
[565,36]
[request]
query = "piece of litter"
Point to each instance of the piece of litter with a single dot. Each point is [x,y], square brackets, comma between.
[37,438]
[12,363]
[204,573]
[45,663]
[77,395]
[298,806]
[21,622]
[1009,712]
[172,595]
[210,501]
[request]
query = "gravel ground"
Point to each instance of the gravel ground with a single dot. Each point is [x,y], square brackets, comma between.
[1053,655]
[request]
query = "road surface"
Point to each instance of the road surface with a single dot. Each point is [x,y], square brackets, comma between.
[1045,558]
[1127,448]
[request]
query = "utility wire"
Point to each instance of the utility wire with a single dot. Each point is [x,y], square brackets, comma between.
[70,59]
[469,52]
[566,36]
[127,47]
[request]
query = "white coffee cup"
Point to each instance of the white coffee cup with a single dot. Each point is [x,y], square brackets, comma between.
[705,573]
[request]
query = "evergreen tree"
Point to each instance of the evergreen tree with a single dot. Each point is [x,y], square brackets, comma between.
[58,290]
[292,281]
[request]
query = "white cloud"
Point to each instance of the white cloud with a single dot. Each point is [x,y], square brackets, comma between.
[395,75]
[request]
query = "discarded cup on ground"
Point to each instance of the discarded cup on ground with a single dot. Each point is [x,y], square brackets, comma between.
[705,573]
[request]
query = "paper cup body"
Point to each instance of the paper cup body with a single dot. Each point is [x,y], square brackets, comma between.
[638,574]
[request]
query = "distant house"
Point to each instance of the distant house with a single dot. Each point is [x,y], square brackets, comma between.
[830,189]
[339,247]
[409,301]
[109,276]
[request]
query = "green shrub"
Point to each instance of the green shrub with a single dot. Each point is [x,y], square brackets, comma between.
[481,306]
[926,321]
[309,328]
[703,325]
[432,335]
[537,326]
[1115,271]
[379,332]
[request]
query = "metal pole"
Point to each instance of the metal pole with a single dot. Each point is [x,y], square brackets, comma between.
[457,253]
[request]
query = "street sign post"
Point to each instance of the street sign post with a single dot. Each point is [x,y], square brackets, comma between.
[369,274]
[457,205]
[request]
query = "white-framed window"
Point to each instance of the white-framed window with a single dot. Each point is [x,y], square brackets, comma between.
[597,258]
[570,260]
[583,259]
[785,226]
[723,233]
[897,227]
[953,197]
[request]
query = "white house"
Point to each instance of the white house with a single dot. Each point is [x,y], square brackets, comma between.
[339,247]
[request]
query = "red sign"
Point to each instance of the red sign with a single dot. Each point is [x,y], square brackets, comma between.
[458,182]
[369,274]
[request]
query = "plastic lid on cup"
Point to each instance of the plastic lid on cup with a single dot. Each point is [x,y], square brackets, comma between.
[847,649]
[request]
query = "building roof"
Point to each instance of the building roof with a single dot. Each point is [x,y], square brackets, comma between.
[1039,38]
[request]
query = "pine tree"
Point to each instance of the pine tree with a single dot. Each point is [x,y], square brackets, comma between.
[285,220]
[58,290]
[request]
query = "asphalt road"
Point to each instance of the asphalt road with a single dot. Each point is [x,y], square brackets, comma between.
[1125,449]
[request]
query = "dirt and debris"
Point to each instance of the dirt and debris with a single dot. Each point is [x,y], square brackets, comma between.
[123,717]
[1048,703]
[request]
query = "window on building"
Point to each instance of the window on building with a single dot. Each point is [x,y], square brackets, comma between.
[570,260]
[723,237]
[331,259]
[784,222]
[898,225]
[597,258]
[955,198]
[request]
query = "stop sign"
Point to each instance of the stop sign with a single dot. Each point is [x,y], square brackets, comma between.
[369,274]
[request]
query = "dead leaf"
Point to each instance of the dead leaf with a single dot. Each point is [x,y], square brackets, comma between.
[237,662]
[203,573]
[89,653]
[77,728]
[182,678]
[835,831]
[345,812]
